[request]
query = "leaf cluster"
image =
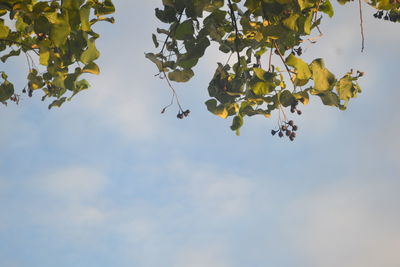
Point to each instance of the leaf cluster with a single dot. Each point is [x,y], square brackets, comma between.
[256,35]
[58,40]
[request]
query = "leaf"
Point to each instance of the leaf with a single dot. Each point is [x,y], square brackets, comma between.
[286,98]
[6,91]
[291,22]
[346,88]
[57,103]
[330,99]
[4,30]
[218,110]
[154,37]
[84,13]
[91,68]
[181,76]
[327,8]
[155,60]
[91,53]
[262,88]
[237,123]
[60,30]
[302,70]
[324,80]
[44,56]
[184,30]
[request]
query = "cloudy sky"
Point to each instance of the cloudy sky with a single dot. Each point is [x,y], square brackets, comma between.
[108,181]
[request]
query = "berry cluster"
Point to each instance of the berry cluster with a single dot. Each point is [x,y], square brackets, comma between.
[183,114]
[298,51]
[392,16]
[289,129]
[293,108]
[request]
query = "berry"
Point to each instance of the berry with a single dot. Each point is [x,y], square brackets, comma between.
[284,128]
[299,112]
[291,123]
[295,128]
[292,110]
[180,115]
[288,133]
[186,113]
[273,132]
[293,134]
[280,134]
[291,138]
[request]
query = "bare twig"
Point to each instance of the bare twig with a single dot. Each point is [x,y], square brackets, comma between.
[361,26]
[284,63]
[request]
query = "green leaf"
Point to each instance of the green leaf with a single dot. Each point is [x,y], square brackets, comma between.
[218,110]
[286,98]
[302,70]
[91,53]
[181,76]
[291,22]
[237,123]
[4,30]
[330,99]
[324,80]
[327,8]
[44,56]
[262,88]
[84,13]
[154,37]
[6,91]
[346,88]
[91,68]
[184,30]
[58,102]
[60,30]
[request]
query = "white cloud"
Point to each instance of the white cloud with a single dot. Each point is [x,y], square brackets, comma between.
[350,224]
[210,256]
[211,189]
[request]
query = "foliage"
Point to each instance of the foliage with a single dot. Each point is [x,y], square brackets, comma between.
[255,32]
[60,34]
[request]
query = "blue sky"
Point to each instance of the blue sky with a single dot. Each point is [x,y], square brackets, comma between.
[108,181]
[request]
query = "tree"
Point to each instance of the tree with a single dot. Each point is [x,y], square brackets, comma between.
[60,34]
[255,33]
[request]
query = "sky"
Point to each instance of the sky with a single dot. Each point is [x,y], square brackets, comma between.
[109,181]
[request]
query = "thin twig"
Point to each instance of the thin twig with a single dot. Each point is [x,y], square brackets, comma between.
[361,27]
[284,63]
[270,60]
[233,18]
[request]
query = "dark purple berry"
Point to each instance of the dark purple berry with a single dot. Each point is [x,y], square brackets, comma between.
[273,132]
[295,128]
[291,123]
[299,112]
[288,133]
[280,134]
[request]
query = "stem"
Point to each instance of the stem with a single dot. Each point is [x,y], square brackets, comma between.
[233,19]
[361,27]
[283,61]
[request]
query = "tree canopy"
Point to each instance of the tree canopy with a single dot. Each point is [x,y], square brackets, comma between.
[58,41]
[255,34]
[262,39]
